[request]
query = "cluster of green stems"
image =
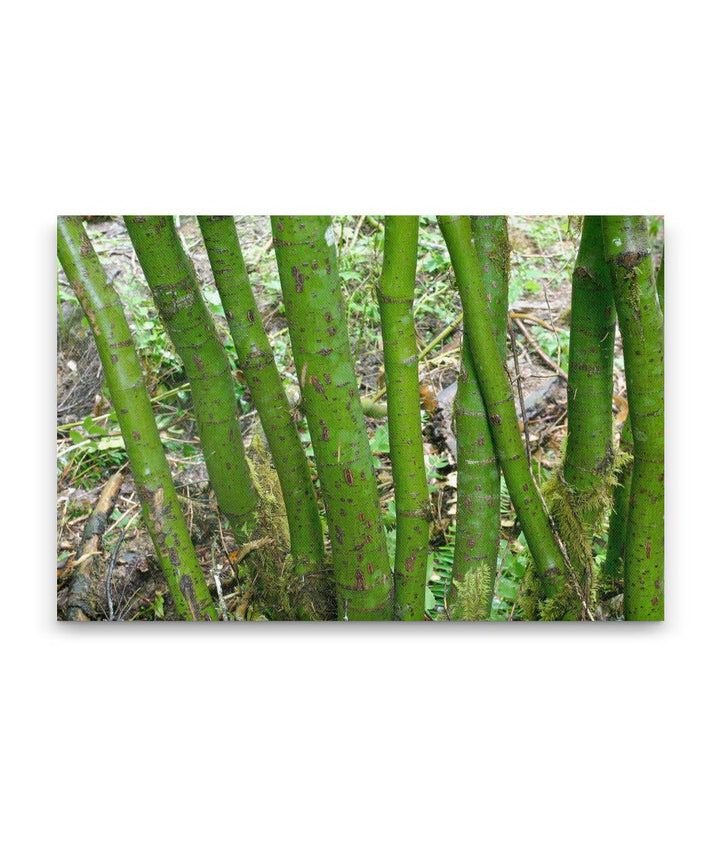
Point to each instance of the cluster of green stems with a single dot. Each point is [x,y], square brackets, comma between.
[613,276]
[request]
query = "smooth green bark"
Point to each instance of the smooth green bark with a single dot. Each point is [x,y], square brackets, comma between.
[627,249]
[589,453]
[613,570]
[160,506]
[500,405]
[176,293]
[492,246]
[478,487]
[396,292]
[257,362]
[307,263]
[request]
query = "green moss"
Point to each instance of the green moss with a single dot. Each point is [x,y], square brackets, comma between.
[632,281]
[530,595]
[578,517]
[281,593]
[473,593]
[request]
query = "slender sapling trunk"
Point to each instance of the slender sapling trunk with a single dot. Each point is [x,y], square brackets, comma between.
[589,452]
[478,487]
[176,293]
[580,493]
[257,363]
[307,263]
[160,506]
[396,291]
[500,406]
[627,248]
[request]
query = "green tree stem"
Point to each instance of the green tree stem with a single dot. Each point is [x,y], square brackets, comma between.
[500,405]
[176,293]
[589,453]
[627,249]
[478,487]
[492,246]
[307,263]
[160,506]
[395,292]
[257,362]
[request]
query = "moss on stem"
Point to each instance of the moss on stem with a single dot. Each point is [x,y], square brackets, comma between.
[478,488]
[257,363]
[500,406]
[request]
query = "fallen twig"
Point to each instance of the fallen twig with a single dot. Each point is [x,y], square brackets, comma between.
[539,351]
[111,568]
[84,598]
[527,316]
[441,336]
[521,398]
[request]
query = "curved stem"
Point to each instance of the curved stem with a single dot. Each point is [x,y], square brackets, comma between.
[257,362]
[176,293]
[478,487]
[395,292]
[500,406]
[160,506]
[307,263]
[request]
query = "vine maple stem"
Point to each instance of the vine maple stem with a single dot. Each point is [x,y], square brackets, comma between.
[124,376]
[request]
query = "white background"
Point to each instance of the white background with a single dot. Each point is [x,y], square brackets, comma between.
[347,739]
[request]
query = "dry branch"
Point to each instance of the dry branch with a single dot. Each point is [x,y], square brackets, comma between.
[85,597]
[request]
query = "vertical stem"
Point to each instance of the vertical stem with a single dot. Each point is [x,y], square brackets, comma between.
[478,488]
[176,293]
[307,263]
[627,248]
[580,492]
[395,292]
[160,506]
[500,405]
[492,245]
[589,452]
[257,362]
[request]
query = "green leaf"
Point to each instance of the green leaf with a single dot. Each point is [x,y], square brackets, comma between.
[380,442]
[430,602]
[390,516]
[507,589]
